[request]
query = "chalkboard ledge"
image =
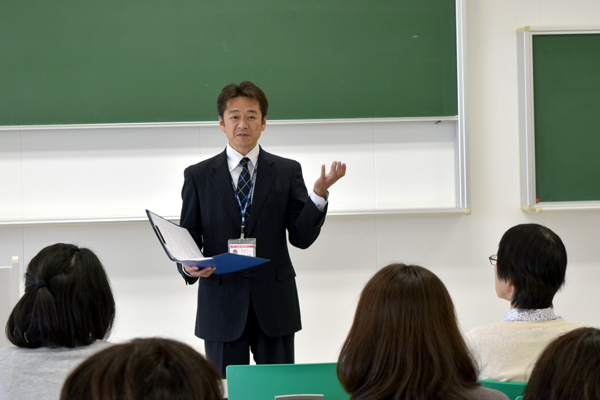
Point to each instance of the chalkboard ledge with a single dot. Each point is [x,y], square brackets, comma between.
[194,124]
[558,30]
[144,218]
[561,206]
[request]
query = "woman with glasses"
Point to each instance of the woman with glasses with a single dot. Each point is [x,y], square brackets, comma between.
[529,269]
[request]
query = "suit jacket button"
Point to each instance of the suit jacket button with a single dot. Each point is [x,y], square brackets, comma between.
[245,274]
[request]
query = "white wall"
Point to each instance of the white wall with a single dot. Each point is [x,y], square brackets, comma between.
[152,299]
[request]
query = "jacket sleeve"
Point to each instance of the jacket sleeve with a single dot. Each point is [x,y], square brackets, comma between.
[191,216]
[305,219]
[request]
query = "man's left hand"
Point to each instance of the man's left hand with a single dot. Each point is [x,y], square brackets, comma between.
[338,170]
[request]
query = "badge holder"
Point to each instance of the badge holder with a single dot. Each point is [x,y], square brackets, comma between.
[242,247]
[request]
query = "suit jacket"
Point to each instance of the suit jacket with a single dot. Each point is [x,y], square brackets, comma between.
[210,212]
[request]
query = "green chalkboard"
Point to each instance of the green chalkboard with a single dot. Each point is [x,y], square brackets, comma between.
[566,86]
[121,61]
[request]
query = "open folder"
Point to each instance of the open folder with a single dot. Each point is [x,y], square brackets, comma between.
[181,247]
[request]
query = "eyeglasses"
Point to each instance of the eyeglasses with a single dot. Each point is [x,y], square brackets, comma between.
[493,259]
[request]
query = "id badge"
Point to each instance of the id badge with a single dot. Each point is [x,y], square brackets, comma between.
[242,247]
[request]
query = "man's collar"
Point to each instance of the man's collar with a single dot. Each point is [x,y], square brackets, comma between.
[234,157]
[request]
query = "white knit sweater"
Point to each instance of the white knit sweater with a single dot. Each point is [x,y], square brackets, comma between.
[507,351]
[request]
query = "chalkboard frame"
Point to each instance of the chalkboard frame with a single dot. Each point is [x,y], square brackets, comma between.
[151,61]
[525,49]
[461,144]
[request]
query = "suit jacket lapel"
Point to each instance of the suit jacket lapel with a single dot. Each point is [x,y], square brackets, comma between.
[265,175]
[221,179]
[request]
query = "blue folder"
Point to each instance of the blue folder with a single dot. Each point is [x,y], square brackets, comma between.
[225,263]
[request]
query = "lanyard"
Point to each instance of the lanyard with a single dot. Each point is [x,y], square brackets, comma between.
[244,208]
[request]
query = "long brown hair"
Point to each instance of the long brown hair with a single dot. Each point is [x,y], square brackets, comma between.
[404,342]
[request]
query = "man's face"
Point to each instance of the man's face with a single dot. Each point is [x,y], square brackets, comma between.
[242,122]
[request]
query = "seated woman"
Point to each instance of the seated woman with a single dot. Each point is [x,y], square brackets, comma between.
[144,369]
[568,368]
[530,269]
[64,316]
[405,343]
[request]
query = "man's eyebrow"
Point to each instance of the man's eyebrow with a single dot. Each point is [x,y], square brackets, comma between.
[237,111]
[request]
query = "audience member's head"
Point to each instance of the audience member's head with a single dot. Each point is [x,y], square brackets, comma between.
[532,263]
[67,301]
[404,341]
[569,368]
[144,369]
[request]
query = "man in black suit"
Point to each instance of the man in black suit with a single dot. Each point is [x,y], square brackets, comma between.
[256,308]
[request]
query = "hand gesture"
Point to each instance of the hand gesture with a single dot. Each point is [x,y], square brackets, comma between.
[338,170]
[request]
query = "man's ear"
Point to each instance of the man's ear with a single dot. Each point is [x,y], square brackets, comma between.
[504,288]
[510,291]
[222,123]
[511,288]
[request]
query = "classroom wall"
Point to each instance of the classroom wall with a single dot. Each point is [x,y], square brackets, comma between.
[153,300]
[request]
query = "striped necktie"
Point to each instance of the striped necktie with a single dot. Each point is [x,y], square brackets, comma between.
[243,184]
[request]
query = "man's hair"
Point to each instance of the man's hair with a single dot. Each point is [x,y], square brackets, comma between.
[568,368]
[244,89]
[534,259]
[67,301]
[144,369]
[404,342]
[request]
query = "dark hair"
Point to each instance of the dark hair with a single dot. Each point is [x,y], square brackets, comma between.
[534,259]
[568,368]
[244,89]
[404,342]
[149,369]
[67,300]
